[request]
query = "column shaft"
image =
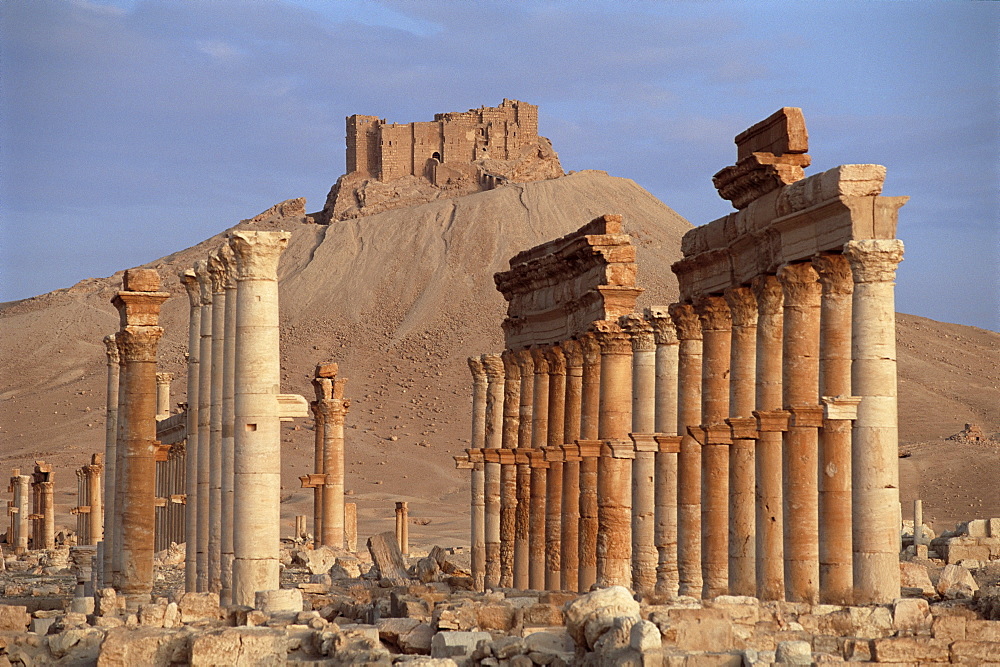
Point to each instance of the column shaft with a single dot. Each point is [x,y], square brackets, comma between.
[228,417]
[478,525]
[110,453]
[539,467]
[508,471]
[569,558]
[522,521]
[493,438]
[204,424]
[217,269]
[590,400]
[190,282]
[554,476]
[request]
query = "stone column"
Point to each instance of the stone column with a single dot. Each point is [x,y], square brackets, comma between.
[644,554]
[204,423]
[493,438]
[20,485]
[668,445]
[800,449]
[95,519]
[590,398]
[257,466]
[522,518]
[478,523]
[539,468]
[875,465]
[614,472]
[508,470]
[336,407]
[110,453]
[82,529]
[228,418]
[554,476]
[190,282]
[772,421]
[138,305]
[163,395]
[319,438]
[569,557]
[217,274]
[742,400]
[716,331]
[403,527]
[689,457]
[835,570]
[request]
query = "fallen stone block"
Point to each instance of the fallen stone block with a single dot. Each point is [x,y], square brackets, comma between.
[915,575]
[457,645]
[124,647]
[239,646]
[387,558]
[14,617]
[591,615]
[911,616]
[956,582]
[199,607]
[910,649]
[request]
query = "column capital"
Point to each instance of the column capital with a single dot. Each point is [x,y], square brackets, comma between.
[664,331]
[590,350]
[539,361]
[139,308]
[525,361]
[743,428]
[589,449]
[840,407]
[257,253]
[874,260]
[685,320]
[476,368]
[228,259]
[138,344]
[612,339]
[834,273]
[164,378]
[742,306]
[573,353]
[640,331]
[512,370]
[217,273]
[668,444]
[190,282]
[204,282]
[323,388]
[111,349]
[617,449]
[493,366]
[557,360]
[713,312]
[767,290]
[799,282]
[772,421]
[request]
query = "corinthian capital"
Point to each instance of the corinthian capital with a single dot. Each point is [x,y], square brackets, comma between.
[799,282]
[874,260]
[611,338]
[476,368]
[190,282]
[834,273]
[111,348]
[204,282]
[228,259]
[713,311]
[217,273]
[640,331]
[493,366]
[510,365]
[557,360]
[257,253]
[664,331]
[686,321]
[138,344]
[742,306]
[768,292]
[573,353]
[539,361]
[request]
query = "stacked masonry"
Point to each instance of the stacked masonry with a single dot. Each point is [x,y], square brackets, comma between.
[754,421]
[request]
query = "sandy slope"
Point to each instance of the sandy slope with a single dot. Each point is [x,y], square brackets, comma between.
[400,299]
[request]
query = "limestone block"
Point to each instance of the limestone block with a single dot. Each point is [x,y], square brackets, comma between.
[152,614]
[78,642]
[616,637]
[317,561]
[496,617]
[280,600]
[593,614]
[983,631]
[914,575]
[975,653]
[239,646]
[740,608]
[966,548]
[84,605]
[457,645]
[994,527]
[426,570]
[555,642]
[911,616]
[910,649]
[794,653]
[505,648]
[387,557]
[645,636]
[975,528]
[124,647]
[431,662]
[199,606]
[956,583]
[40,626]
[949,628]
[14,617]
[543,614]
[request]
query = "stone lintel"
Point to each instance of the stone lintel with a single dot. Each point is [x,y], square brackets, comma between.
[506,457]
[35,517]
[82,509]
[782,132]
[462,462]
[521,457]
[772,421]
[589,449]
[161,452]
[840,407]
[554,454]
[475,455]
[159,502]
[668,444]
[491,456]
[291,406]
[806,415]
[617,449]
[179,498]
[312,480]
[571,453]
[744,428]
[536,459]
[644,442]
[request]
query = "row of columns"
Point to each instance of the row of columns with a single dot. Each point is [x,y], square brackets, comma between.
[89,510]
[170,485]
[743,443]
[233,431]
[43,515]
[17,509]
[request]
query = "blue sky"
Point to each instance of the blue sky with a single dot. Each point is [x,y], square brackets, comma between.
[132,129]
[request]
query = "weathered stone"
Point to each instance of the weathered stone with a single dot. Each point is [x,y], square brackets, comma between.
[948,627]
[975,653]
[457,645]
[911,616]
[983,631]
[40,626]
[910,649]
[543,614]
[387,558]
[317,561]
[593,614]
[914,575]
[280,600]
[645,636]
[794,653]
[496,617]
[199,606]
[239,646]
[123,647]
[956,582]
[84,605]
[14,617]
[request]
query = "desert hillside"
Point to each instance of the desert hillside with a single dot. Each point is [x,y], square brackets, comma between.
[400,299]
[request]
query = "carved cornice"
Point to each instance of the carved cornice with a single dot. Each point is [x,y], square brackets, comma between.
[800,283]
[756,175]
[138,344]
[742,306]
[257,253]
[874,261]
[834,274]
[685,321]
[713,312]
